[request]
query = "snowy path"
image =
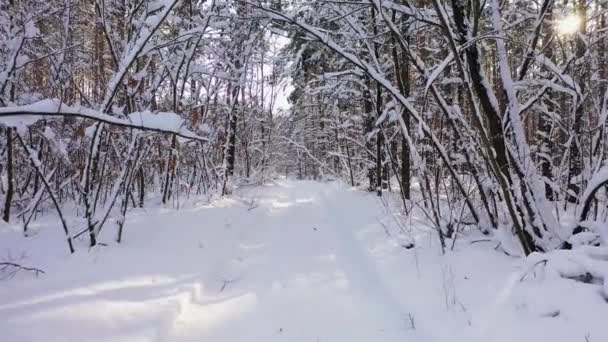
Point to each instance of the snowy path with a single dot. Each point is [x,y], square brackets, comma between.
[302,275]
[287,268]
[291,261]
[313,280]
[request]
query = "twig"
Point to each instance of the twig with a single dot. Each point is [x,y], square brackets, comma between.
[5,267]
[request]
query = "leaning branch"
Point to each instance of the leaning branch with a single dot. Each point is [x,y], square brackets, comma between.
[161,122]
[11,268]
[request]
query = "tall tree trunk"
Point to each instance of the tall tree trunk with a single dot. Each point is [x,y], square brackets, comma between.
[576,152]
[232,127]
[402,71]
[9,175]
[380,137]
[142,187]
[544,122]
[369,128]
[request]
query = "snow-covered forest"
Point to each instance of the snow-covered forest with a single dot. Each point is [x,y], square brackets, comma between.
[304,170]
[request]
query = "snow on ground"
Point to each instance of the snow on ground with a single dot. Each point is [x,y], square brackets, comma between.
[289,261]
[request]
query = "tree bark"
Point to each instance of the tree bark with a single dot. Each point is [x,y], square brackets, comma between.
[9,175]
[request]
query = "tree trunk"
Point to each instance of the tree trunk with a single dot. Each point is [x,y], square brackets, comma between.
[9,175]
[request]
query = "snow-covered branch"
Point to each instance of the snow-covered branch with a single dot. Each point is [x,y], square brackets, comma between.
[20,116]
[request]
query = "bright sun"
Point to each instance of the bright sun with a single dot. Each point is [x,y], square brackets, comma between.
[569,24]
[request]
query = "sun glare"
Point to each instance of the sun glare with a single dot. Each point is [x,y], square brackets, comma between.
[569,24]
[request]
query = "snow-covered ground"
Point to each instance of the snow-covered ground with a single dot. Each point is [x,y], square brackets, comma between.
[289,261]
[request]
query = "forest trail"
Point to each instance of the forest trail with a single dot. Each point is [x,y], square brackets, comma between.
[314,279]
[278,262]
[288,261]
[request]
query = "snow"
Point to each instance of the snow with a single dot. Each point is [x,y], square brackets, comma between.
[163,121]
[288,261]
[134,50]
[27,115]
[438,70]
[598,178]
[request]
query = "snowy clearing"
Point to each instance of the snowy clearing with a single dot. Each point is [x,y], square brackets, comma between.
[289,261]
